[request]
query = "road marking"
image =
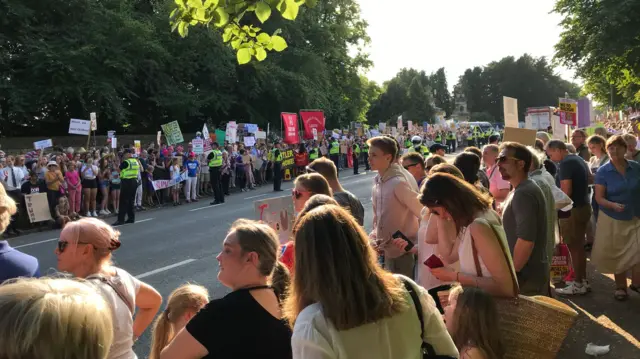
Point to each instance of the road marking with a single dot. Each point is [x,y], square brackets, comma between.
[34,243]
[159,270]
[256,196]
[136,222]
[209,206]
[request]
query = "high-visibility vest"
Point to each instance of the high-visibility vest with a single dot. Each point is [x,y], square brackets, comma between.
[438,139]
[216,160]
[335,148]
[132,171]
[277,158]
[451,136]
[424,150]
[365,147]
[356,149]
[407,143]
[313,154]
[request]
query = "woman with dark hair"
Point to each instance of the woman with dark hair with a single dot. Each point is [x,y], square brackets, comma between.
[342,304]
[470,232]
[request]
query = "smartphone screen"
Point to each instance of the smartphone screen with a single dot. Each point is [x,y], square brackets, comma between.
[401,235]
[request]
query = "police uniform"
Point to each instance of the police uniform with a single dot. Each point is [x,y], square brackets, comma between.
[365,155]
[215,163]
[276,156]
[129,170]
[356,158]
[334,154]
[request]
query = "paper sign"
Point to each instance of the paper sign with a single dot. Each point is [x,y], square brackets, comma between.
[37,207]
[205,131]
[557,128]
[94,121]
[251,128]
[137,146]
[510,112]
[161,184]
[261,135]
[231,134]
[79,127]
[249,141]
[278,214]
[114,143]
[159,137]
[523,136]
[111,134]
[197,145]
[41,145]
[172,133]
[568,112]
[409,125]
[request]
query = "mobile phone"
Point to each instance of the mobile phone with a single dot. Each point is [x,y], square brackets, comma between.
[434,262]
[401,235]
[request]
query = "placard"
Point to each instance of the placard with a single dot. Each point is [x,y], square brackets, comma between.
[287,159]
[197,144]
[278,214]
[41,145]
[114,142]
[231,134]
[523,136]
[172,133]
[251,128]
[261,135]
[112,134]
[510,108]
[161,184]
[220,137]
[159,137]
[137,146]
[79,127]
[568,112]
[94,121]
[249,141]
[409,125]
[37,207]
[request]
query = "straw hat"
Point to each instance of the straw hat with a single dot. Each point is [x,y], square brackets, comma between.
[52,163]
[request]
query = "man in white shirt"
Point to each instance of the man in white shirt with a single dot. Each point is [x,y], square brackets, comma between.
[12,176]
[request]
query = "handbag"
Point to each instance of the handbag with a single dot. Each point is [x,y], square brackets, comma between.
[428,352]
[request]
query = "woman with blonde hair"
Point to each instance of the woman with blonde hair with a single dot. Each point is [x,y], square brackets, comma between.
[245,323]
[472,320]
[84,250]
[342,304]
[307,185]
[470,232]
[182,305]
[53,318]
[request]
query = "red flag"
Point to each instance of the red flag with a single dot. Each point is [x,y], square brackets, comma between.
[290,121]
[312,120]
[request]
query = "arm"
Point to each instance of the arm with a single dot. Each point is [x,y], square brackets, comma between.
[601,191]
[447,240]
[435,332]
[566,186]
[184,346]
[524,211]
[408,197]
[148,301]
[500,193]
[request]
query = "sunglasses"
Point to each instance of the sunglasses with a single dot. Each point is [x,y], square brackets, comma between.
[409,166]
[505,158]
[62,245]
[297,194]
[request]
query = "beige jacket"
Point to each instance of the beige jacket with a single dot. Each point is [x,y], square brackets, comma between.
[395,207]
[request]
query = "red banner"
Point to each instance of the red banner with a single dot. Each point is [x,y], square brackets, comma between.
[290,122]
[312,120]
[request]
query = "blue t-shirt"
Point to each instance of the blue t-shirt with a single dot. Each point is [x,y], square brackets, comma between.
[192,168]
[621,189]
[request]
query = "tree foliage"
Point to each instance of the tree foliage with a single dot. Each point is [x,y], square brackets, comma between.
[601,41]
[62,59]
[528,79]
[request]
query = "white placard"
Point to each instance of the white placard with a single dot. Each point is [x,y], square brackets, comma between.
[249,141]
[382,126]
[111,134]
[37,207]
[41,145]
[261,135]
[231,133]
[197,144]
[94,121]
[79,127]
[159,137]
[114,142]
[510,112]
[409,125]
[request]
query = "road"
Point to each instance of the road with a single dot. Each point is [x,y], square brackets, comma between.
[171,246]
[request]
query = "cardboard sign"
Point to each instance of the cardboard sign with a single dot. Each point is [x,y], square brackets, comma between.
[79,127]
[172,133]
[523,136]
[249,141]
[261,135]
[94,121]
[568,112]
[41,145]
[278,214]
[510,112]
[37,207]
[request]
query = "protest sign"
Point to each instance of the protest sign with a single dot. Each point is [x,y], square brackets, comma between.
[79,127]
[250,127]
[510,108]
[287,159]
[231,134]
[114,142]
[161,184]
[523,136]
[37,207]
[172,133]
[261,135]
[249,141]
[278,214]
[568,112]
[94,121]
[198,146]
[41,145]
[409,125]
[220,137]
[137,146]
[111,134]
[290,122]
[159,137]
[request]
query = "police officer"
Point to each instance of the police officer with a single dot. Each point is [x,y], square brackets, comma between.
[365,154]
[276,155]
[356,157]
[314,153]
[129,170]
[451,141]
[418,147]
[215,163]
[334,154]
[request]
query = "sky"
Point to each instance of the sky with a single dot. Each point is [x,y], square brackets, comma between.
[456,34]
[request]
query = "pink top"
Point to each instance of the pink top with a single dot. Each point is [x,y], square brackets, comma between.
[72,177]
[495,179]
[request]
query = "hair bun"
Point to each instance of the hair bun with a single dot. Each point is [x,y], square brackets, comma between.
[115,244]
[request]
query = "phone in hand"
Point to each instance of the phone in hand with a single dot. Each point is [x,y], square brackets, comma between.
[434,262]
[401,235]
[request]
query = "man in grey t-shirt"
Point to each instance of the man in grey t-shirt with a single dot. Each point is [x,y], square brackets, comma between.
[525,220]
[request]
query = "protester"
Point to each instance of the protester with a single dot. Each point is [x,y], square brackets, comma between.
[74,187]
[472,320]
[182,305]
[578,138]
[54,179]
[498,186]
[617,246]
[469,231]
[632,152]
[434,160]
[63,213]
[245,323]
[85,250]
[395,205]
[115,187]
[190,188]
[54,318]
[545,181]
[414,163]
[524,219]
[307,185]
[332,317]
[89,173]
[346,199]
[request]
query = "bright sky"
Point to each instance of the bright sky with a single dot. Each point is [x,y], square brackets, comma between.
[456,34]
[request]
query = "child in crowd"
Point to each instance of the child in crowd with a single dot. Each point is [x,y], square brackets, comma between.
[64,214]
[182,305]
[74,187]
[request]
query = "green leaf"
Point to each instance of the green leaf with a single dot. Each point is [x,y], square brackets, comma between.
[290,11]
[224,17]
[180,3]
[227,34]
[210,3]
[261,54]
[182,29]
[263,11]
[236,43]
[195,3]
[174,25]
[201,15]
[311,3]
[173,13]
[244,56]
[278,42]
[264,38]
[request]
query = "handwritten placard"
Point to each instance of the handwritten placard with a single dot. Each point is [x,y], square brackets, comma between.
[79,127]
[37,207]
[41,145]
[172,133]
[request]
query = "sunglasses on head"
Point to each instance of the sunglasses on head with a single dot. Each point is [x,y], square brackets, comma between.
[62,245]
[409,166]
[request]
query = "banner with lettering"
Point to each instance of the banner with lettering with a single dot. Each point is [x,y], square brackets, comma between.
[312,120]
[161,184]
[290,126]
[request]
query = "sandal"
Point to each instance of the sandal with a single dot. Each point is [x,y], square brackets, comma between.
[621,295]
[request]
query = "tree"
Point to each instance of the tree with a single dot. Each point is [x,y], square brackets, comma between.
[601,41]
[442,97]
[419,102]
[528,79]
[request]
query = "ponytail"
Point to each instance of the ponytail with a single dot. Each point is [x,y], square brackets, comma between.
[161,335]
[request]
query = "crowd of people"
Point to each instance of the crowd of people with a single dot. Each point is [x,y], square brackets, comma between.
[448,241]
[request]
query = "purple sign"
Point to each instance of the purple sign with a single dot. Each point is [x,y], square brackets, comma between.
[584,113]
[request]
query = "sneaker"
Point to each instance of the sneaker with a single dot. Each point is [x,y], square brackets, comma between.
[103,212]
[88,214]
[108,212]
[585,283]
[94,214]
[572,289]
